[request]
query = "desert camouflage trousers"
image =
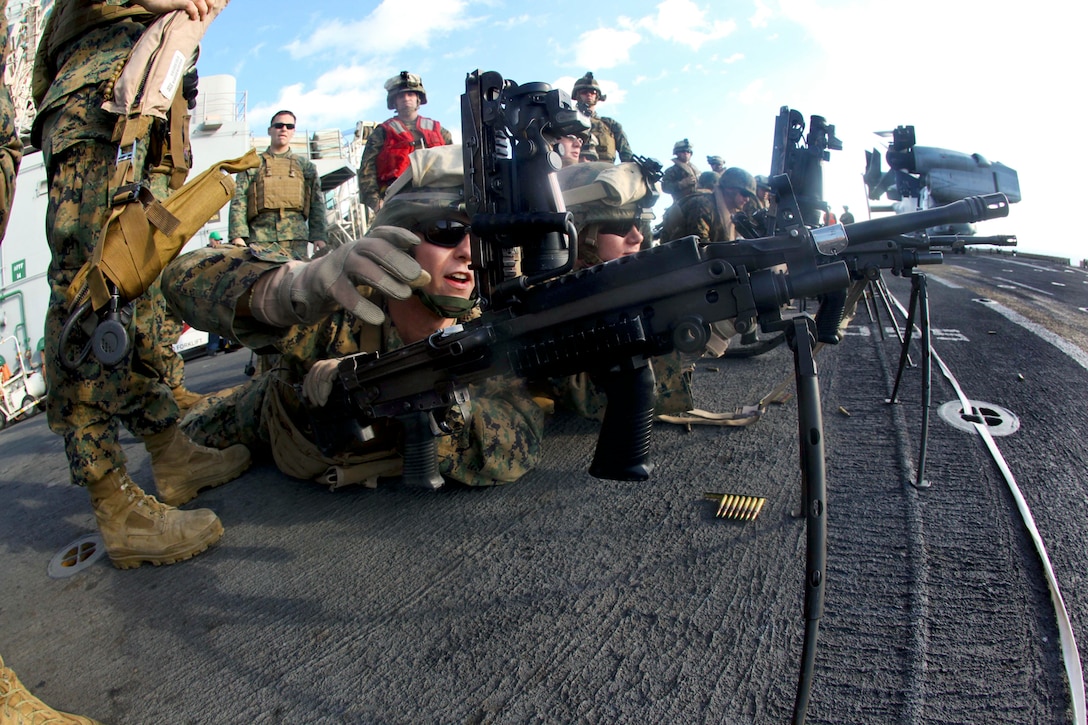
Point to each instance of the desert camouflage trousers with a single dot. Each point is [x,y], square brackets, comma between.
[87,405]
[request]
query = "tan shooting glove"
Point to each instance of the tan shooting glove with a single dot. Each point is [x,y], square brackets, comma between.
[317,385]
[302,293]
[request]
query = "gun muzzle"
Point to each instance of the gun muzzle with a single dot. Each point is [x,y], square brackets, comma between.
[971,209]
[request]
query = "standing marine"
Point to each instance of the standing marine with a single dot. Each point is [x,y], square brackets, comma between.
[682,178]
[83,48]
[11,148]
[279,209]
[607,133]
[385,156]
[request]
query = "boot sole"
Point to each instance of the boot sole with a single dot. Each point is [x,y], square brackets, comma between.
[191,491]
[124,559]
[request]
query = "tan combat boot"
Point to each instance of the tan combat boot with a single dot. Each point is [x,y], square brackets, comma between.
[186,398]
[136,527]
[182,468]
[19,707]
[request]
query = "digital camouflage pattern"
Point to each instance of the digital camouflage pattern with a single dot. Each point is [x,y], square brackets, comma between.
[279,236]
[680,180]
[698,214]
[11,148]
[610,139]
[498,443]
[164,329]
[692,214]
[672,386]
[87,405]
[370,191]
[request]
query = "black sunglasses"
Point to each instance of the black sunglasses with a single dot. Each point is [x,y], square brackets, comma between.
[288,126]
[620,229]
[445,232]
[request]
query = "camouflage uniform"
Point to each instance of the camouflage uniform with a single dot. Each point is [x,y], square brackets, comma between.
[611,139]
[164,327]
[279,236]
[75,135]
[11,148]
[710,216]
[680,180]
[695,214]
[607,139]
[499,444]
[370,190]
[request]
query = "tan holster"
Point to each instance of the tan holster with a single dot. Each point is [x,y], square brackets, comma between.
[143,236]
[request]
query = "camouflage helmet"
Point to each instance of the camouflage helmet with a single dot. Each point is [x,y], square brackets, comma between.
[588,83]
[682,145]
[600,192]
[708,179]
[404,81]
[763,182]
[737,178]
[715,160]
[431,188]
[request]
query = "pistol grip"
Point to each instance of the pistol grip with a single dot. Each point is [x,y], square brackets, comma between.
[829,317]
[623,445]
[420,453]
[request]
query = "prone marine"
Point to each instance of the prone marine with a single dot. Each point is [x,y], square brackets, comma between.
[357,298]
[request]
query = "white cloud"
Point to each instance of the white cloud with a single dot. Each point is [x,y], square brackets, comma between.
[754,93]
[338,99]
[661,75]
[762,15]
[684,22]
[605,47]
[391,27]
[510,23]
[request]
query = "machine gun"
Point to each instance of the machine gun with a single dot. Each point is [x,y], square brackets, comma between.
[803,164]
[609,319]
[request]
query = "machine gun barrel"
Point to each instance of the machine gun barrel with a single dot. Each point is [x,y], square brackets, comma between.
[950,240]
[971,209]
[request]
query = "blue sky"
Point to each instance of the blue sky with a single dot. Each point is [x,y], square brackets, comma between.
[996,78]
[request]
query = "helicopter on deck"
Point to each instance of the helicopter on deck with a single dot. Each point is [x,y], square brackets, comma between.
[923,177]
